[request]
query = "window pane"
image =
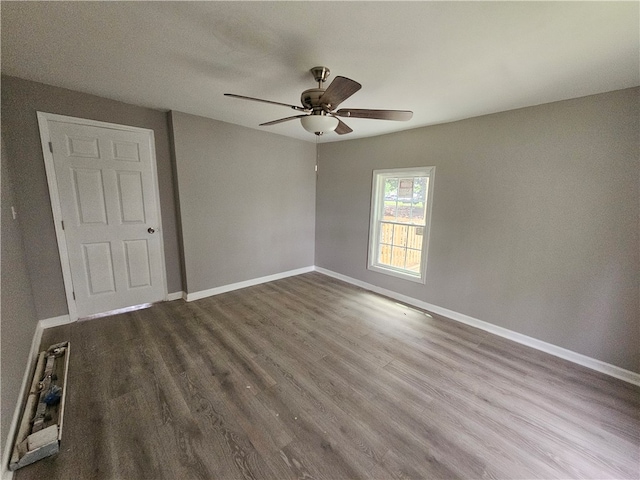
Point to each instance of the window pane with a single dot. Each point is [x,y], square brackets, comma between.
[386,232]
[418,213]
[421,187]
[405,189]
[390,210]
[400,235]
[391,189]
[413,260]
[398,257]
[403,212]
[385,255]
[414,237]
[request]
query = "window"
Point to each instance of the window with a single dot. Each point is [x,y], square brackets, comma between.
[400,217]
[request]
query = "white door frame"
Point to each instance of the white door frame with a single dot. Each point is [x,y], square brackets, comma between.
[45,138]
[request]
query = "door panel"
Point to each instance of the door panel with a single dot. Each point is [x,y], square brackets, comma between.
[125,151]
[137,260]
[108,200]
[131,197]
[98,265]
[89,196]
[82,147]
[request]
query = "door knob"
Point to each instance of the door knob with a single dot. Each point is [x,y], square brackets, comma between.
[151,230]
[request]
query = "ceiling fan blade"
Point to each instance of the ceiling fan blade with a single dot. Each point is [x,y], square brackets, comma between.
[274,122]
[398,115]
[242,97]
[342,128]
[340,89]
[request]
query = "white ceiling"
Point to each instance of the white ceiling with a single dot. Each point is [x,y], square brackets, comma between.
[443,60]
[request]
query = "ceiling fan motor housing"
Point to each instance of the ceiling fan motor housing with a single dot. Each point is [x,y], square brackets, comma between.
[311,98]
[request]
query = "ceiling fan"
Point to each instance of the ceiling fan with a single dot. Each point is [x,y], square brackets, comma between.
[319,106]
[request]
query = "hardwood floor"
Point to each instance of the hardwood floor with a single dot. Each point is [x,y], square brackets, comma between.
[309,377]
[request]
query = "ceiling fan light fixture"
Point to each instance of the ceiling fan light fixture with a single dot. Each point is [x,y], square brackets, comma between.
[319,104]
[319,123]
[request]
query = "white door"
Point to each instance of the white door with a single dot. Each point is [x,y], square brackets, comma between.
[109,214]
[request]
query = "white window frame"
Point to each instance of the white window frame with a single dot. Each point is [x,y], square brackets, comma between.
[377,212]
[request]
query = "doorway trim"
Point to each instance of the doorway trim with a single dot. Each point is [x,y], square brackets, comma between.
[45,139]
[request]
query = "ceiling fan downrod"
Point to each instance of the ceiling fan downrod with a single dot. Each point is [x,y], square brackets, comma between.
[320,74]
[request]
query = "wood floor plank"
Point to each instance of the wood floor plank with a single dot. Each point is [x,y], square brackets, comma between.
[524,418]
[308,377]
[322,398]
[223,349]
[326,458]
[179,433]
[135,447]
[235,455]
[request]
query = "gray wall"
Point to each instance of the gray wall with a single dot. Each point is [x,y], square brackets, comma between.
[20,101]
[535,219]
[17,311]
[247,201]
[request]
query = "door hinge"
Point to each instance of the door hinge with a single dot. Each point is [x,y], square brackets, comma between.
[316,167]
[62,222]
[74,295]
[50,147]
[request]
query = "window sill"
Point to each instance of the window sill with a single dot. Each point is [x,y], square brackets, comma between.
[398,274]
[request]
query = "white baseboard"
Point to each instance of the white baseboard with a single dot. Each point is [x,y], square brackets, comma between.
[247,283]
[31,361]
[175,296]
[580,359]
[54,321]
